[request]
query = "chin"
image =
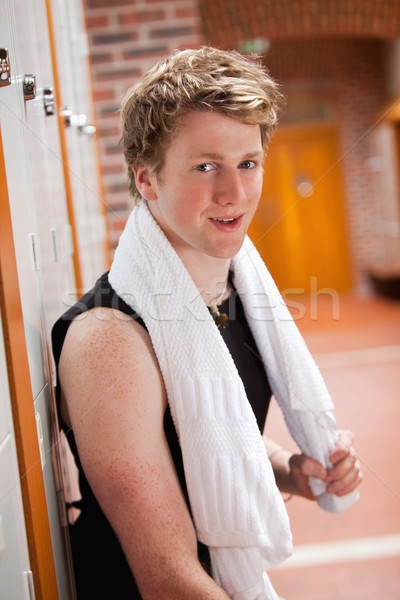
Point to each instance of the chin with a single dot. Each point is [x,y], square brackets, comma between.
[225,253]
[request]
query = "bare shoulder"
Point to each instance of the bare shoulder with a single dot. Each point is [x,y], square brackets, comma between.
[105,336]
[107,354]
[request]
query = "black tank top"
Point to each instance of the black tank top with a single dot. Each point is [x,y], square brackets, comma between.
[100,568]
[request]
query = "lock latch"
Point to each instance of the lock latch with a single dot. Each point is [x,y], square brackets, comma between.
[48,101]
[29,87]
[5,71]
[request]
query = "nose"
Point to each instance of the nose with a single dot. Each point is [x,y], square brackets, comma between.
[230,188]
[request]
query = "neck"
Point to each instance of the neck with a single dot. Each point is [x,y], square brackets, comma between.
[210,276]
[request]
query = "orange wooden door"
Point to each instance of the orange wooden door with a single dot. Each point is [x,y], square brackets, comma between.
[299,228]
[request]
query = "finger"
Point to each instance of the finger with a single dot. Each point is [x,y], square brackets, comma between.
[357,481]
[343,447]
[342,468]
[301,467]
[350,488]
[305,490]
[348,483]
[307,466]
[302,485]
[347,470]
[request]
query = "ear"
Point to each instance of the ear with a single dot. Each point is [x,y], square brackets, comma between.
[146,182]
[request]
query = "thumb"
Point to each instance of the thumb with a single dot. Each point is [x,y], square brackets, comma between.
[307,466]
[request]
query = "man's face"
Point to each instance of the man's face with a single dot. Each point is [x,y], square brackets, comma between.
[207,192]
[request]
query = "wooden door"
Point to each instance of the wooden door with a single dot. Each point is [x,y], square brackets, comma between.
[299,228]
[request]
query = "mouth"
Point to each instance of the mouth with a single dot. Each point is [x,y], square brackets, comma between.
[227,224]
[227,220]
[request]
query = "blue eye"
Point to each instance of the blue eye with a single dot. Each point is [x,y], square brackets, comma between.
[204,167]
[248,164]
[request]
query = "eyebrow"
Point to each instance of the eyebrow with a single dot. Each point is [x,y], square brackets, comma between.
[217,156]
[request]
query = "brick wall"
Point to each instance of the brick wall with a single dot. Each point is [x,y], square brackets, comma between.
[225,22]
[126,38]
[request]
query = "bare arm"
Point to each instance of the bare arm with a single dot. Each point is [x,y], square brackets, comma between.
[115,401]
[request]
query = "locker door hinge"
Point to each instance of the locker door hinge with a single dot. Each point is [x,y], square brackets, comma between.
[31,587]
[5,71]
[62,508]
[53,233]
[40,439]
[69,242]
[34,251]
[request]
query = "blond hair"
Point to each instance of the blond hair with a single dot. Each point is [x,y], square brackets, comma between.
[204,79]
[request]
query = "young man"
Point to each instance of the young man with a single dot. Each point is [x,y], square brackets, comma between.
[144,358]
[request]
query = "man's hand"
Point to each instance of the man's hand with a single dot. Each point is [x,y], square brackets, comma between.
[344,476]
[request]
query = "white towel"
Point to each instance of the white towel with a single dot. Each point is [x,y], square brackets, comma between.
[237,509]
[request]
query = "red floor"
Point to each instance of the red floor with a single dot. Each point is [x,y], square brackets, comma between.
[365,387]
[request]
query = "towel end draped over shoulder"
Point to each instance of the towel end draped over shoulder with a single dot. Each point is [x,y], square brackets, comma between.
[237,508]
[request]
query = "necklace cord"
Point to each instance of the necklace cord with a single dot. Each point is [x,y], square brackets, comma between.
[219,298]
[220,319]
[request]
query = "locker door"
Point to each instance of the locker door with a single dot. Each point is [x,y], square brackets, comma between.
[14,558]
[36,190]
[18,383]
[72,58]
[35,182]
[15,133]
[54,252]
